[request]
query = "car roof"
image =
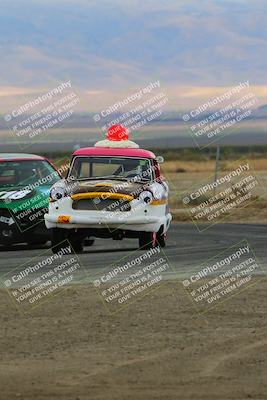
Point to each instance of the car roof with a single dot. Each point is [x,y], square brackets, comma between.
[19,157]
[114,151]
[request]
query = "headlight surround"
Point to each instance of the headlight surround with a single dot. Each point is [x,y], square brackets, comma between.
[57,193]
[158,190]
[146,197]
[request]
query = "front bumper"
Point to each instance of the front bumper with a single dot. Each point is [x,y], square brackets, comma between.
[147,218]
[13,234]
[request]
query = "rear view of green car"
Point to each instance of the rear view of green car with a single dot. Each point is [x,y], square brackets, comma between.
[25,182]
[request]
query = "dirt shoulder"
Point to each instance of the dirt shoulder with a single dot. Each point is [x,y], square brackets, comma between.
[254,214]
[157,348]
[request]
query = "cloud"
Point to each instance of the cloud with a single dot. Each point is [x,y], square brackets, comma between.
[107,47]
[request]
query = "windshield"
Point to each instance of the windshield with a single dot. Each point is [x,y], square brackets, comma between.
[112,167]
[27,173]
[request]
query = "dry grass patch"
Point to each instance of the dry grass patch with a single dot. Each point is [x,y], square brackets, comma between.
[259,164]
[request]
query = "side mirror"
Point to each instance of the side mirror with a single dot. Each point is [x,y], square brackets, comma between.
[160,159]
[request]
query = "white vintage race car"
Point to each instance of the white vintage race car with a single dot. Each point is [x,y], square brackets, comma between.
[113,190]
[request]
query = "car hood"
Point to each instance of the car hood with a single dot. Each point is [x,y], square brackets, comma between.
[114,186]
[24,198]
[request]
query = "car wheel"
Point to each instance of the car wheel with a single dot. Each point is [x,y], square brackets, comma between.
[58,239]
[76,244]
[147,240]
[161,239]
[89,242]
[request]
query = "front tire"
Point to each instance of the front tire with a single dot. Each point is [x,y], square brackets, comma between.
[76,244]
[89,242]
[147,240]
[161,239]
[76,239]
[58,239]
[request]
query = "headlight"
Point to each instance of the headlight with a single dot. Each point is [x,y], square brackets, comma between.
[146,197]
[57,193]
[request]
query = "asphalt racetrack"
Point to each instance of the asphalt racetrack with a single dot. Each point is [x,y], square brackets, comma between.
[186,250]
[83,343]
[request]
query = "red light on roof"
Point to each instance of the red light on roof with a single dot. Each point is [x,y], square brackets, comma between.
[117,133]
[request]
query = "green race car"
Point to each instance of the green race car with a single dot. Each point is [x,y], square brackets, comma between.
[25,182]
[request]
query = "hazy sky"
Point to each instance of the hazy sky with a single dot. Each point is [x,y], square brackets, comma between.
[110,47]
